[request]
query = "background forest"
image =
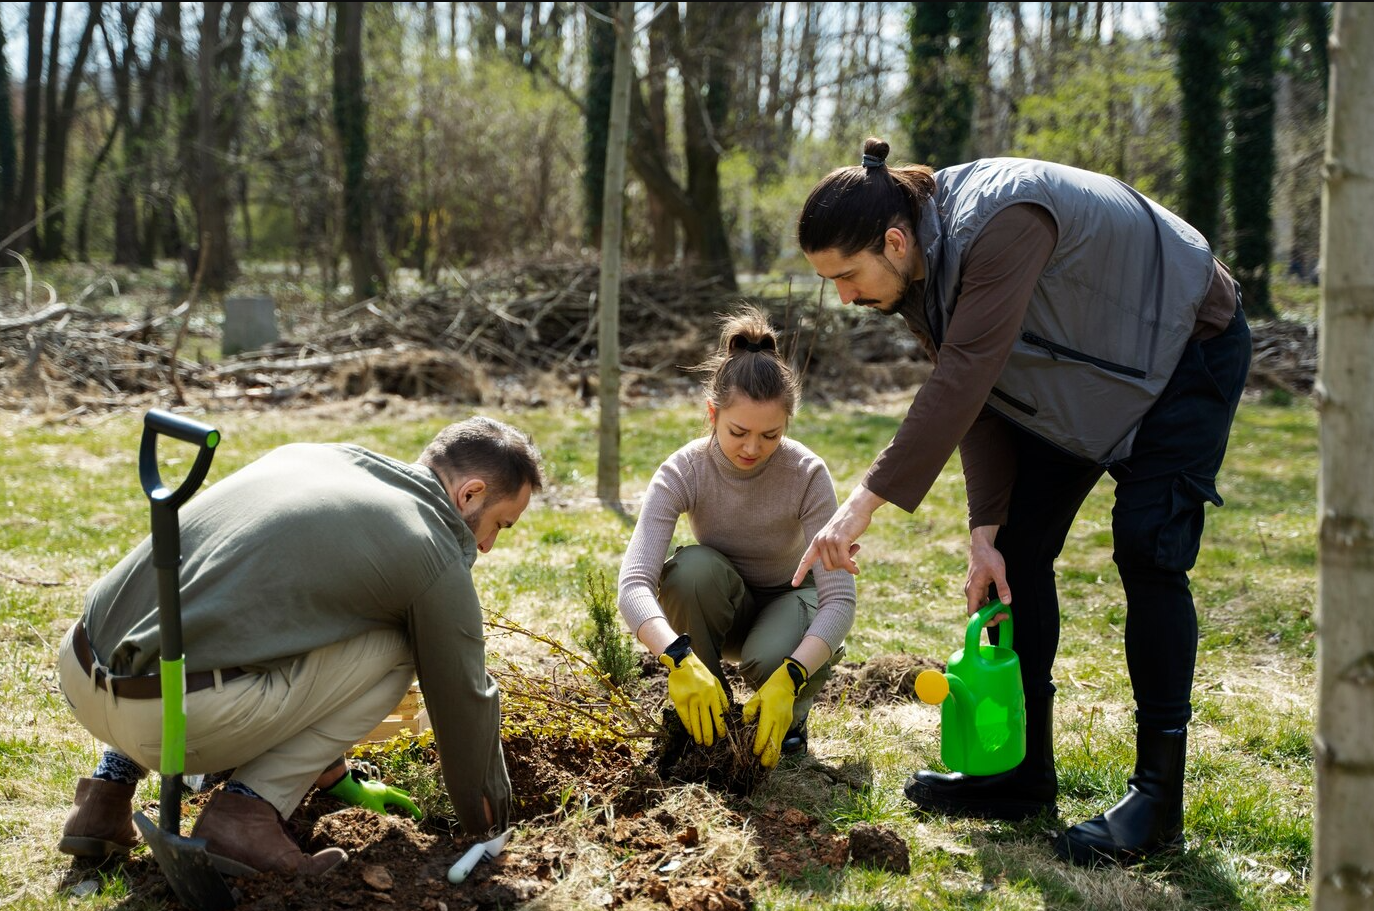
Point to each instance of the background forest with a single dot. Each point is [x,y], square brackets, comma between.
[366,145]
[417,189]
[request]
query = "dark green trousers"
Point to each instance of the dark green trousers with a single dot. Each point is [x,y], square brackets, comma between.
[704,597]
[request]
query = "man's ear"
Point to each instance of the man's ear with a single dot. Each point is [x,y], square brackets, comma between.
[896,240]
[472,488]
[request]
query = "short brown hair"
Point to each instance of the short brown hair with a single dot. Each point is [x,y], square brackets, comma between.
[479,447]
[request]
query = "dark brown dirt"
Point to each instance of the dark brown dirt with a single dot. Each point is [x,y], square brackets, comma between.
[728,764]
[880,848]
[569,797]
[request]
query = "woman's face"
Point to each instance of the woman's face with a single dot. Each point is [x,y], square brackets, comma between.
[749,431]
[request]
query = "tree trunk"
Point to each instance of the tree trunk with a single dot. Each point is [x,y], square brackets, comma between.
[706,68]
[221,52]
[1252,151]
[947,57]
[601,50]
[8,159]
[60,114]
[169,88]
[608,337]
[1201,44]
[27,214]
[83,253]
[661,221]
[350,118]
[123,67]
[1343,852]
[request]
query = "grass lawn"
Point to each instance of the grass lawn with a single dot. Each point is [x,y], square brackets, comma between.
[73,507]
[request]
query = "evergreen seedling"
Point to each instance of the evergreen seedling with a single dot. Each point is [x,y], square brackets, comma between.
[610,648]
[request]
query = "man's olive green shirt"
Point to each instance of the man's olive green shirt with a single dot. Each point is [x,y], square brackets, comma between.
[315,544]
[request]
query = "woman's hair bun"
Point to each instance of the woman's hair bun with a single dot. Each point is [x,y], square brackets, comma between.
[877,148]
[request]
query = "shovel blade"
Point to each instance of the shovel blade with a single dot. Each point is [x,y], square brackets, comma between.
[186,864]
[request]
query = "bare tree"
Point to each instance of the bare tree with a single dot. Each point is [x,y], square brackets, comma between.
[350,116]
[613,206]
[219,66]
[27,214]
[60,110]
[1343,851]
[8,159]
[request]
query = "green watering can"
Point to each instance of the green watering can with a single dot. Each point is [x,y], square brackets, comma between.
[982,704]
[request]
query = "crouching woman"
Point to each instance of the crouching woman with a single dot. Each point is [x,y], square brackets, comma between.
[753,498]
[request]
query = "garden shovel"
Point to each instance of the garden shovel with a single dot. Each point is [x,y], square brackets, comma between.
[184,861]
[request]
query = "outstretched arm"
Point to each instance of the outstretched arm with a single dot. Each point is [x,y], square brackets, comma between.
[835,546]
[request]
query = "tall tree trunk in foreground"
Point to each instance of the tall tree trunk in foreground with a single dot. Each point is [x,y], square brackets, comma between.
[612,223]
[219,65]
[1343,850]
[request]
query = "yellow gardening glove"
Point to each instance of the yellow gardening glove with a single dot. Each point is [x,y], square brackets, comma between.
[696,693]
[772,704]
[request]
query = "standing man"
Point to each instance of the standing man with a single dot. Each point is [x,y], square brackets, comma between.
[319,581]
[1077,328]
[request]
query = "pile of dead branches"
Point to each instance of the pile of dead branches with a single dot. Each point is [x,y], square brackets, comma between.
[101,356]
[1285,356]
[520,334]
[503,327]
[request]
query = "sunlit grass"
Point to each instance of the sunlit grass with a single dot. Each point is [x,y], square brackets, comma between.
[73,508]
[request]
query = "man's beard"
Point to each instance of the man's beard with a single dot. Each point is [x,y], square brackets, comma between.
[473,521]
[888,307]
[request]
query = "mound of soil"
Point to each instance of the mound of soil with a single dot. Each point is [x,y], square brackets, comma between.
[881,681]
[880,848]
[728,764]
[574,801]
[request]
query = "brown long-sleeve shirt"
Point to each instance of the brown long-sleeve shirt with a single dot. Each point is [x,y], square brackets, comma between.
[1000,271]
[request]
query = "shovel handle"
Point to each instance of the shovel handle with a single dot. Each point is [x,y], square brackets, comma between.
[166,534]
[163,423]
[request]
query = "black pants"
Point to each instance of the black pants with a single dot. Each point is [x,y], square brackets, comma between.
[1157,524]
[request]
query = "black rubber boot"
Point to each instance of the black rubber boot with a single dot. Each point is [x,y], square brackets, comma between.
[795,739]
[1149,819]
[1027,790]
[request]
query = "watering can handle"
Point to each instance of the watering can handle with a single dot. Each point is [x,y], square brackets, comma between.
[981,619]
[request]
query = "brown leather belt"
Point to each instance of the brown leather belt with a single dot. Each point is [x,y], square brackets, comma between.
[145,686]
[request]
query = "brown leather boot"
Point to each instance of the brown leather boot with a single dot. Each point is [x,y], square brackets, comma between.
[246,835]
[101,822]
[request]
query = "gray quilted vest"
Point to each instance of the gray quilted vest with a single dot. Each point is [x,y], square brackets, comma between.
[1110,315]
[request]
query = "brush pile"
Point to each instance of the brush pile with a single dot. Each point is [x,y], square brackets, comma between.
[520,335]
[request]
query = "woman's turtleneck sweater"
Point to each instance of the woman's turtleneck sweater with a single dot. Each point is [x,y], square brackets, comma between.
[761,519]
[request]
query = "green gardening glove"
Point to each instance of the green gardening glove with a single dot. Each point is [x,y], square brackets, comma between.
[372,795]
[696,692]
[772,705]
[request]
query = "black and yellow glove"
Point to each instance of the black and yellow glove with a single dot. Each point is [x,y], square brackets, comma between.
[772,705]
[696,693]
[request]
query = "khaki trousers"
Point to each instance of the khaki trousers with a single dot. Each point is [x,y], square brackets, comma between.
[278,728]
[703,595]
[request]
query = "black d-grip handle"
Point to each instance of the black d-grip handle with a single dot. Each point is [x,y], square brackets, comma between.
[158,422]
[166,527]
